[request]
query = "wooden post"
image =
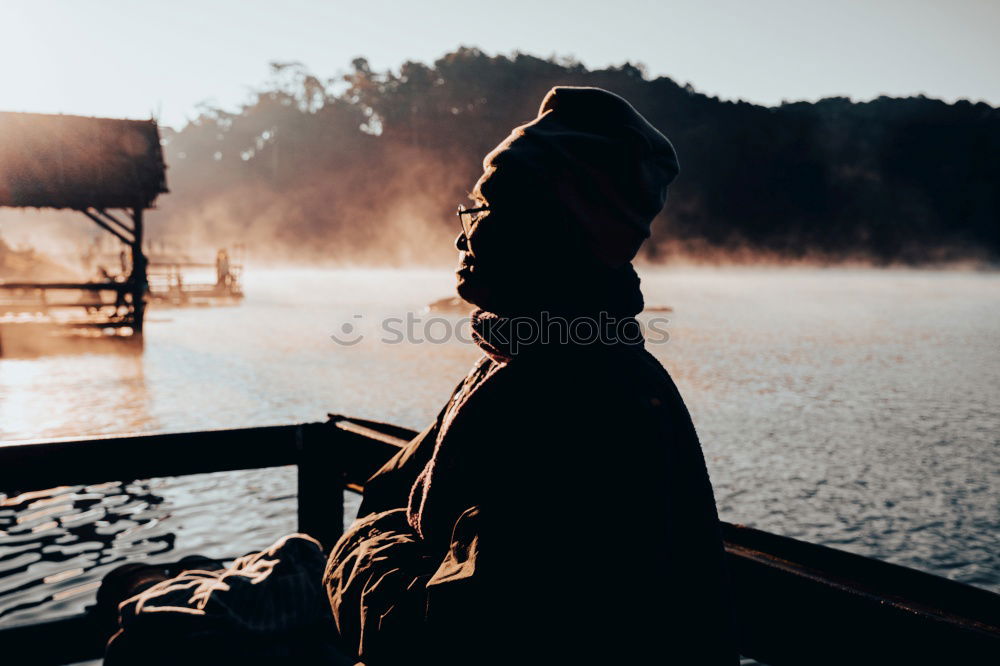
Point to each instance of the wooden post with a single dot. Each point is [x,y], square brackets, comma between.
[321,483]
[138,278]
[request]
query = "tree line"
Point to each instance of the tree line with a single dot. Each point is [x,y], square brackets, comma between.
[371,164]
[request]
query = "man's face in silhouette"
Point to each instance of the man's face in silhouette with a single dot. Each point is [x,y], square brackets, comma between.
[520,256]
[499,261]
[479,269]
[471,272]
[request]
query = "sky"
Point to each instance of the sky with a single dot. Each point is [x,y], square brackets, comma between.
[139,58]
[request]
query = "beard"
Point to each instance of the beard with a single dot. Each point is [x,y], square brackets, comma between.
[508,294]
[470,288]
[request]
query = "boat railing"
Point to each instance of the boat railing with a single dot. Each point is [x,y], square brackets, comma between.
[795,602]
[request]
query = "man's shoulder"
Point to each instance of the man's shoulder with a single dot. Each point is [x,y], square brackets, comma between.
[584,360]
[588,370]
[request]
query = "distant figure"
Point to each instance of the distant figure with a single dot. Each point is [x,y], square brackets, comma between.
[101,274]
[223,278]
[558,510]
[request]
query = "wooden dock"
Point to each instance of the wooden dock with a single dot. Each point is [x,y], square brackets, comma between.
[168,283]
[108,305]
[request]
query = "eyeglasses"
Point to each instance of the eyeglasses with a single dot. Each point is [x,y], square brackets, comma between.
[463,211]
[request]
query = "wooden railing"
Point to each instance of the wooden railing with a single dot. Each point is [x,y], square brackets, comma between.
[795,602]
[18,299]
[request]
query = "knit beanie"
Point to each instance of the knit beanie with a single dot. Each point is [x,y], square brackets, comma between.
[602,161]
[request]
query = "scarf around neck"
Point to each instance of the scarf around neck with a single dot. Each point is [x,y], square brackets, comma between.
[503,338]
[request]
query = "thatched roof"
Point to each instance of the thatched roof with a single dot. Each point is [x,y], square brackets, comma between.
[56,161]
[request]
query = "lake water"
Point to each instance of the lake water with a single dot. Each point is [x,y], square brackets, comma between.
[854,408]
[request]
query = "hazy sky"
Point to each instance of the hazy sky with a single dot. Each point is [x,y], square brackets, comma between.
[134,58]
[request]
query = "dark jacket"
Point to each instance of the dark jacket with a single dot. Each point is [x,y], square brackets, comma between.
[557,511]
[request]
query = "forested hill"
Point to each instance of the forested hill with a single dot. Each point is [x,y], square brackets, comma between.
[371,165]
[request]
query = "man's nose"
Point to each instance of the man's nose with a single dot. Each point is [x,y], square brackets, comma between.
[462,243]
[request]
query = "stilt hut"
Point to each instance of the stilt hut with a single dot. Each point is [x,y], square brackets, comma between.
[109,170]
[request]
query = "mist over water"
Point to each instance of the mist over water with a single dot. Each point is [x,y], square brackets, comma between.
[855,408]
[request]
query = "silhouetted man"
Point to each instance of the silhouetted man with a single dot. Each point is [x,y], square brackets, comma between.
[558,510]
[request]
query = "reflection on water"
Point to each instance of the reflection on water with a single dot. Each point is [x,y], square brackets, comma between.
[62,536]
[851,408]
[70,394]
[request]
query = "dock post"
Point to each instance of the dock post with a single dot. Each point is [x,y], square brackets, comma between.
[321,481]
[138,278]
